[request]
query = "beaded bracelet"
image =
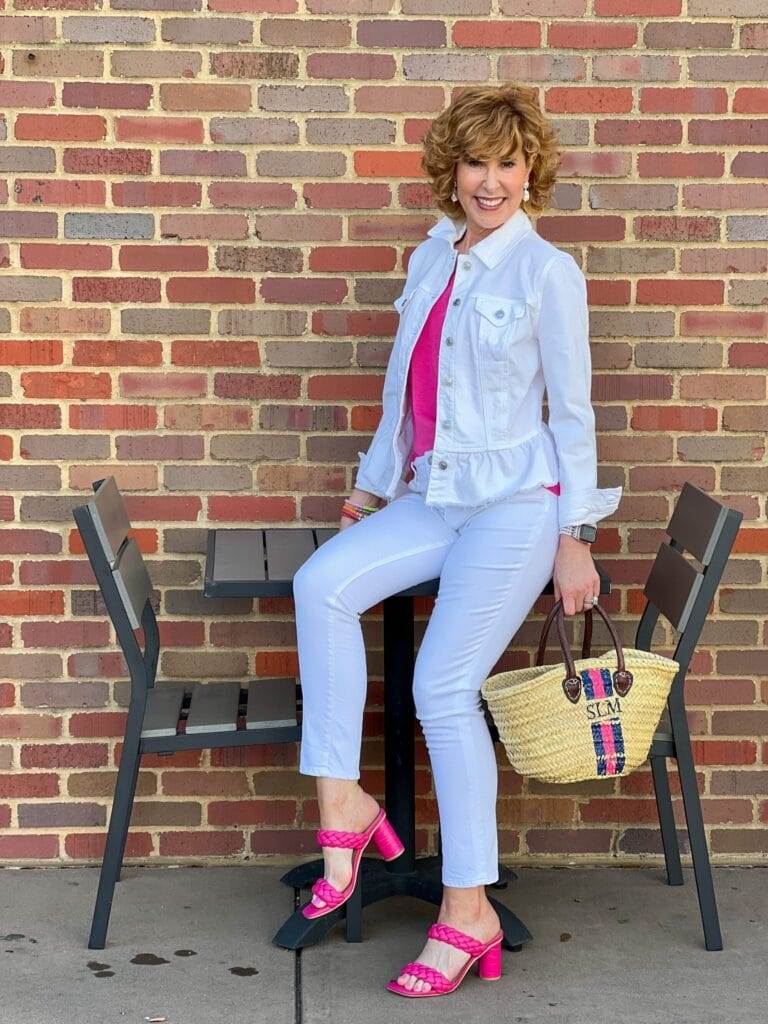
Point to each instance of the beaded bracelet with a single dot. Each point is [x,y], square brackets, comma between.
[354,511]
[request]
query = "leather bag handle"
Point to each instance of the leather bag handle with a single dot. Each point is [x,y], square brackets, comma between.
[586,644]
[622,679]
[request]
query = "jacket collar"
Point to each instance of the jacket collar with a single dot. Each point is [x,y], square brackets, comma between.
[491,249]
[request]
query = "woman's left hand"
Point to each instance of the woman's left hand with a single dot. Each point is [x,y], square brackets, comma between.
[575,577]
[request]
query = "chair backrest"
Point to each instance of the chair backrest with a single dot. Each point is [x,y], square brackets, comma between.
[122,577]
[676,587]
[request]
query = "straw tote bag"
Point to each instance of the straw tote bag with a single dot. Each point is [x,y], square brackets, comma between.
[585,719]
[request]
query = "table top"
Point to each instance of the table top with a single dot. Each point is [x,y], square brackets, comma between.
[262,561]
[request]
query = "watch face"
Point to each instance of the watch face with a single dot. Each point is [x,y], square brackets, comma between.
[587,532]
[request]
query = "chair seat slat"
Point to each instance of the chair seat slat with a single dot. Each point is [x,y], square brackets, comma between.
[287,548]
[239,555]
[164,702]
[271,703]
[213,707]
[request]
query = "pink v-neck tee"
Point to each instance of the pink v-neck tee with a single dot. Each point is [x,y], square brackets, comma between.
[422,379]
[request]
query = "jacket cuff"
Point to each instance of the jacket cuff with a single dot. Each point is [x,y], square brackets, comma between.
[589,505]
[362,481]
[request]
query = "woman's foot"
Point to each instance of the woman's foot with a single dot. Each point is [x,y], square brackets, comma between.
[481,924]
[355,815]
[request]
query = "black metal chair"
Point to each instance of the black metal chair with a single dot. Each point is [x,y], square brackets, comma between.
[168,716]
[682,592]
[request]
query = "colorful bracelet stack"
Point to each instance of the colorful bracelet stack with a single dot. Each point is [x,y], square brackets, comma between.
[354,511]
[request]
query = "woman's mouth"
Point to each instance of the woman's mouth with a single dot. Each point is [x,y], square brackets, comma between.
[488,204]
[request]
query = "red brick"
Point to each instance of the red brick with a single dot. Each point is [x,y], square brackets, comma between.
[26,353]
[66,385]
[60,127]
[30,417]
[90,846]
[707,752]
[384,164]
[29,847]
[621,811]
[98,724]
[120,289]
[65,634]
[216,290]
[64,755]
[215,353]
[163,257]
[28,785]
[496,33]
[112,417]
[201,844]
[252,812]
[31,602]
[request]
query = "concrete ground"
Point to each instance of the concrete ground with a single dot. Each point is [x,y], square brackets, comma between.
[611,945]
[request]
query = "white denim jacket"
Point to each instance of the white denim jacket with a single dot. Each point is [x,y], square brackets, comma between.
[517,322]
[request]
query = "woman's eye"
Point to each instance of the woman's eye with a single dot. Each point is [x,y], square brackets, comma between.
[511,163]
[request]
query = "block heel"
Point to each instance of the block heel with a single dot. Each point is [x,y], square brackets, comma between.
[489,964]
[487,956]
[387,841]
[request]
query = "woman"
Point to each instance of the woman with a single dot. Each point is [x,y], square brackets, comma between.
[499,502]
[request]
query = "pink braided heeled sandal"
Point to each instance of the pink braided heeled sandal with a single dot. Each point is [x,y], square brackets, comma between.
[389,847]
[488,955]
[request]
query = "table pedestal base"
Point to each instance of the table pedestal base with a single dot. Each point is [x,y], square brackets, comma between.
[377,881]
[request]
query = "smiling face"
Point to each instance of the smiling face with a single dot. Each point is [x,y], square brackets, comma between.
[499,182]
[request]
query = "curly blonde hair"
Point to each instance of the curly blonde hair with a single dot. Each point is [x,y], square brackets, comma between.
[491,121]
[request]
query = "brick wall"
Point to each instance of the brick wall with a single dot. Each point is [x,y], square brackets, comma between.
[205,218]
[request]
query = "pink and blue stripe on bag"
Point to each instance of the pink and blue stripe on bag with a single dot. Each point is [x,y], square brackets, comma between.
[607,736]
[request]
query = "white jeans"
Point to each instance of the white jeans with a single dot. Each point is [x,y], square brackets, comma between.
[493,561]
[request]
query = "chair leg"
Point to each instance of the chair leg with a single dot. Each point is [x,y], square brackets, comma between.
[119,821]
[667,821]
[131,796]
[699,853]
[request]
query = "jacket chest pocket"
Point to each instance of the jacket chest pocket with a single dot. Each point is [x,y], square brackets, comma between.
[500,323]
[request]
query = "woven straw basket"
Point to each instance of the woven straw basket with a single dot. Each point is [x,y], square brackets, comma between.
[585,719]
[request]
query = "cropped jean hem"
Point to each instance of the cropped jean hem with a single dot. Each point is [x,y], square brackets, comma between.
[307,767]
[463,883]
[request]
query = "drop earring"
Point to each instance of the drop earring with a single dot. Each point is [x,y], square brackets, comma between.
[526,193]
[454,195]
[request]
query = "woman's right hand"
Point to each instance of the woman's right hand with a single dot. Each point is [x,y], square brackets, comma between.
[359,497]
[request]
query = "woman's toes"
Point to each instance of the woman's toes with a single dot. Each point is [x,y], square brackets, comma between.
[317,901]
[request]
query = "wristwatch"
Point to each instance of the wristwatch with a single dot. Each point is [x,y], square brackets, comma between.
[583,532]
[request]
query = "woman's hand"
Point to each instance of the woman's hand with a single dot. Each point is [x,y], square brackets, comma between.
[359,498]
[574,576]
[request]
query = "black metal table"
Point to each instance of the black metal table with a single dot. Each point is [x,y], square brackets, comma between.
[261,562]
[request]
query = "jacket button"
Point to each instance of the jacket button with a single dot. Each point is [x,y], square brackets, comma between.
[449,380]
[449,341]
[443,464]
[446,423]
[499,313]
[467,265]
[456,302]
